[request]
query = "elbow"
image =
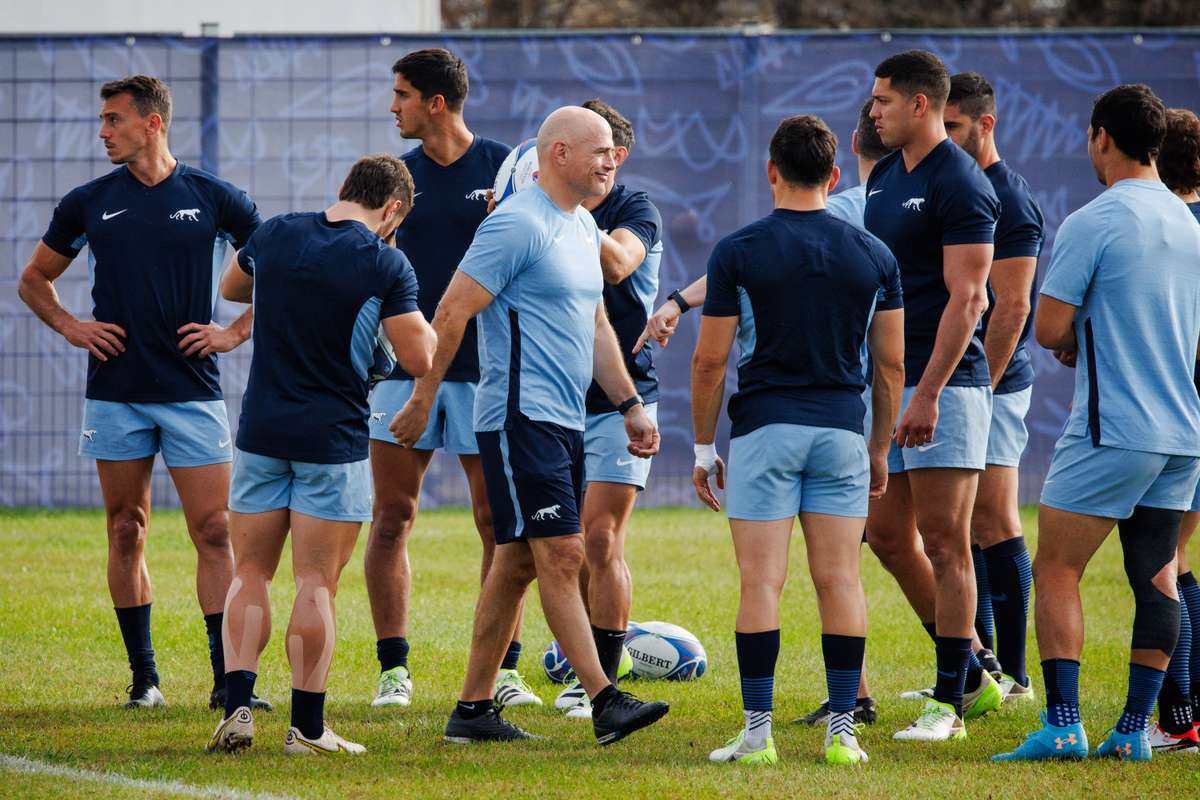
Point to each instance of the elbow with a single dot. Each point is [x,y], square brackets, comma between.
[422,358]
[976,302]
[889,366]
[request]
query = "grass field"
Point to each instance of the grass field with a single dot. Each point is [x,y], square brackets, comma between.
[62,671]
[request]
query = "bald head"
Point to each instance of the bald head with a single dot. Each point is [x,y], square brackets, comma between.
[571,125]
[575,154]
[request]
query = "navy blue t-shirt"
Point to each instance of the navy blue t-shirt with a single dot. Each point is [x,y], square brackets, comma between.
[447,209]
[155,263]
[1019,234]
[631,302]
[321,289]
[803,285]
[945,200]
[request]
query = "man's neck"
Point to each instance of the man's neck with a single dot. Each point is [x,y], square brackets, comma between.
[924,140]
[1126,169]
[864,169]
[799,198]
[592,203]
[1189,197]
[345,211]
[561,194]
[988,154]
[448,140]
[154,166]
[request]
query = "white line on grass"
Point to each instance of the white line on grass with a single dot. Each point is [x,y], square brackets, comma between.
[33,767]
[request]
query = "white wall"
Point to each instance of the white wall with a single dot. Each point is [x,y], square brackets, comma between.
[232,16]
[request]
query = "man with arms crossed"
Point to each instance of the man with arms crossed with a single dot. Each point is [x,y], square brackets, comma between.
[1120,303]
[321,285]
[630,251]
[797,444]
[936,211]
[451,168]
[533,276]
[155,229]
[1003,573]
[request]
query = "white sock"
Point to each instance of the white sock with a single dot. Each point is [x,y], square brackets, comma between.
[842,722]
[758,726]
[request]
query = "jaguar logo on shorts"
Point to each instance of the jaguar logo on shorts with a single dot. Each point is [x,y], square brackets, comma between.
[89,434]
[377,416]
[549,512]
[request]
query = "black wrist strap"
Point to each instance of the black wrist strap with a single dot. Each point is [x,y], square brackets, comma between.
[636,400]
[679,301]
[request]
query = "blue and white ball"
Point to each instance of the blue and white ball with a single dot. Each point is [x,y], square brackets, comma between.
[383,359]
[661,650]
[554,661]
[518,172]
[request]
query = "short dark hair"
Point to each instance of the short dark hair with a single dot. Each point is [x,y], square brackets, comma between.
[1179,157]
[622,128]
[149,95]
[917,72]
[376,180]
[973,95]
[804,150]
[870,146]
[1135,119]
[435,71]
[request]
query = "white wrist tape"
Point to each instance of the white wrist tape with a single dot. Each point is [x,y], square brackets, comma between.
[706,457]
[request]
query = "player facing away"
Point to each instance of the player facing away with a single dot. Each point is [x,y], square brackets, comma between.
[1121,304]
[1178,704]
[1003,572]
[797,441]
[451,168]
[630,251]
[156,230]
[533,277]
[322,284]
[936,211]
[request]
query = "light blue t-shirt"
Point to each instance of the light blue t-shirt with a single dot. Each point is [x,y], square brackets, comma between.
[536,338]
[1130,261]
[850,205]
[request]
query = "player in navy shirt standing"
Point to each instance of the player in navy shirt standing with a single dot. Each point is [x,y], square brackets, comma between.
[452,168]
[322,285]
[630,251]
[157,231]
[936,211]
[1003,571]
[802,291]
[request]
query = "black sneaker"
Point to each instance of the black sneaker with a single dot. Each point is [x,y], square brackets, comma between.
[992,664]
[865,712]
[490,727]
[623,715]
[217,700]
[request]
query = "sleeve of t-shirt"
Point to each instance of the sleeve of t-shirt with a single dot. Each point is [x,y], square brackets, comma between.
[1077,249]
[249,251]
[968,208]
[400,294]
[641,218]
[721,299]
[503,247]
[66,235]
[239,215]
[1019,230]
[890,296]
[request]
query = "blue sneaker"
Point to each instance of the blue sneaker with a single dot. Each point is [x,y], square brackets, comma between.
[1125,746]
[1050,742]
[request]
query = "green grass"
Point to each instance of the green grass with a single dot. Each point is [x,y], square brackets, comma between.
[62,671]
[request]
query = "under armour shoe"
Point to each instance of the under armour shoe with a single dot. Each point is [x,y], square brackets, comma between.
[144,694]
[1163,742]
[624,714]
[329,743]
[937,723]
[865,712]
[489,727]
[1014,691]
[1050,743]
[235,732]
[395,688]
[843,749]
[217,700]
[1125,746]
[571,696]
[984,700]
[989,662]
[512,690]
[738,751]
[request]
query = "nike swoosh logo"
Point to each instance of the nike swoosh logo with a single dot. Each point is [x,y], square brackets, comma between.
[874,192]
[108,216]
[921,448]
[416,195]
[625,462]
[225,443]
[999,598]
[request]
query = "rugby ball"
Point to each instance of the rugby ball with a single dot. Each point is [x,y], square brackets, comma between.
[518,172]
[662,650]
[554,662]
[383,359]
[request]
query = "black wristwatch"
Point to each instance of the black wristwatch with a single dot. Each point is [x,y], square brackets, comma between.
[679,301]
[636,400]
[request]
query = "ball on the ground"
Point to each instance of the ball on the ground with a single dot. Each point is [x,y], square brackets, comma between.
[558,669]
[663,650]
[519,171]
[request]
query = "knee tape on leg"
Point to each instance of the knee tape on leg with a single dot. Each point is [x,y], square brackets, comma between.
[1148,539]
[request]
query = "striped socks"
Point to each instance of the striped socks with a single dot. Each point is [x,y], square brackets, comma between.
[1010,578]
[984,623]
[1061,676]
[843,666]
[1144,684]
[757,653]
[1174,699]
[1189,595]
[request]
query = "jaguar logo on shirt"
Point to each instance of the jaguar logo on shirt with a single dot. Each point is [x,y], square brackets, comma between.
[188,214]
[477,194]
[913,203]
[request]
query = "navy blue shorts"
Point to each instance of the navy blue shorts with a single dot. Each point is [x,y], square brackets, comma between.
[534,477]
